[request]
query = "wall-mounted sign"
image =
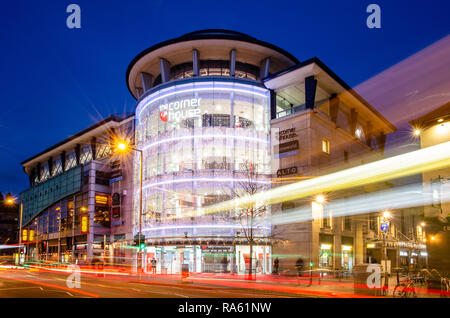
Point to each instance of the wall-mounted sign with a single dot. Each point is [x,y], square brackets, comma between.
[24,235]
[115,212]
[115,199]
[286,149]
[217,249]
[286,171]
[287,134]
[31,235]
[84,224]
[115,179]
[180,109]
[101,199]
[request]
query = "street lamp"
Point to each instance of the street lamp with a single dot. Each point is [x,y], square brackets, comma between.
[123,147]
[385,220]
[11,201]
[320,199]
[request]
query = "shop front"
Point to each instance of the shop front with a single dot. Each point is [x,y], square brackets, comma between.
[207,259]
[325,251]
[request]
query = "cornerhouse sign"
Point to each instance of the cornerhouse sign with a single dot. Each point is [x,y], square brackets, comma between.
[180,109]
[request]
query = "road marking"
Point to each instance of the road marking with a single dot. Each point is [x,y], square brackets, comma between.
[69,294]
[55,286]
[12,288]
[181,295]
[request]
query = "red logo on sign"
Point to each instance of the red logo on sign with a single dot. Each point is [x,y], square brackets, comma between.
[163,115]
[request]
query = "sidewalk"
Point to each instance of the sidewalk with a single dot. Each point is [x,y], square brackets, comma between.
[315,287]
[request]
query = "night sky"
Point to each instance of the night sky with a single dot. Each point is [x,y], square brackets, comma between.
[57,81]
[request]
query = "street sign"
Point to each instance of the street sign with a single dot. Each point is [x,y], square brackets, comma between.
[384,227]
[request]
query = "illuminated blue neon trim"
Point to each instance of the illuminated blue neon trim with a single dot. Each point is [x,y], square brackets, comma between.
[201,180]
[204,137]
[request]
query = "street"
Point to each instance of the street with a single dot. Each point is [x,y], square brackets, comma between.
[46,284]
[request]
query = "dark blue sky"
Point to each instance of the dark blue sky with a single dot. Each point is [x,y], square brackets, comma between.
[56,81]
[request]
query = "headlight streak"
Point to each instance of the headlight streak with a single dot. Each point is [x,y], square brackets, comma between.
[431,158]
[402,197]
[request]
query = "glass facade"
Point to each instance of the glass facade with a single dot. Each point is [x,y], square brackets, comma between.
[197,140]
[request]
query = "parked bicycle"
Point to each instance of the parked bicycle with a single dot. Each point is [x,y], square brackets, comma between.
[406,288]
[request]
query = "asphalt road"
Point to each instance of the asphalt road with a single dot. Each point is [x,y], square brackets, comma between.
[32,284]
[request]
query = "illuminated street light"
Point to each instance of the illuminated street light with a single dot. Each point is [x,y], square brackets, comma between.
[440,120]
[123,147]
[386,214]
[417,132]
[432,238]
[320,199]
[422,224]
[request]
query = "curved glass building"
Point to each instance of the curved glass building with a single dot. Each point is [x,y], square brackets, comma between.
[203,125]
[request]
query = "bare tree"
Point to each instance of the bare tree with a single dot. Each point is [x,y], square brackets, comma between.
[250,216]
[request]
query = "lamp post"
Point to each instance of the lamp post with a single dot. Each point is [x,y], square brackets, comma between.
[385,220]
[123,147]
[11,201]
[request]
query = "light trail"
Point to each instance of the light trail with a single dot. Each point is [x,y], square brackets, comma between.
[431,158]
[401,197]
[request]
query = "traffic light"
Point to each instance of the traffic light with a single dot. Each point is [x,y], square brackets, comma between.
[139,241]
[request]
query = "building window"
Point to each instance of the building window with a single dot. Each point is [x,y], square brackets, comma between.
[347,224]
[71,161]
[325,146]
[327,218]
[86,155]
[57,167]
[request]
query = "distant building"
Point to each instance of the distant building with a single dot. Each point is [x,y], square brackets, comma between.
[79,204]
[433,129]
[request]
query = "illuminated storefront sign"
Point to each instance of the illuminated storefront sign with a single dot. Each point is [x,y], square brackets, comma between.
[31,235]
[101,199]
[286,171]
[24,235]
[186,108]
[217,249]
[84,224]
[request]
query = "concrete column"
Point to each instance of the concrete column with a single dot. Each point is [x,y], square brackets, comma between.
[334,108]
[63,160]
[353,121]
[77,153]
[233,63]
[381,141]
[359,244]
[165,70]
[337,248]
[369,134]
[195,62]
[147,81]
[310,92]
[264,68]
[50,166]
[94,148]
